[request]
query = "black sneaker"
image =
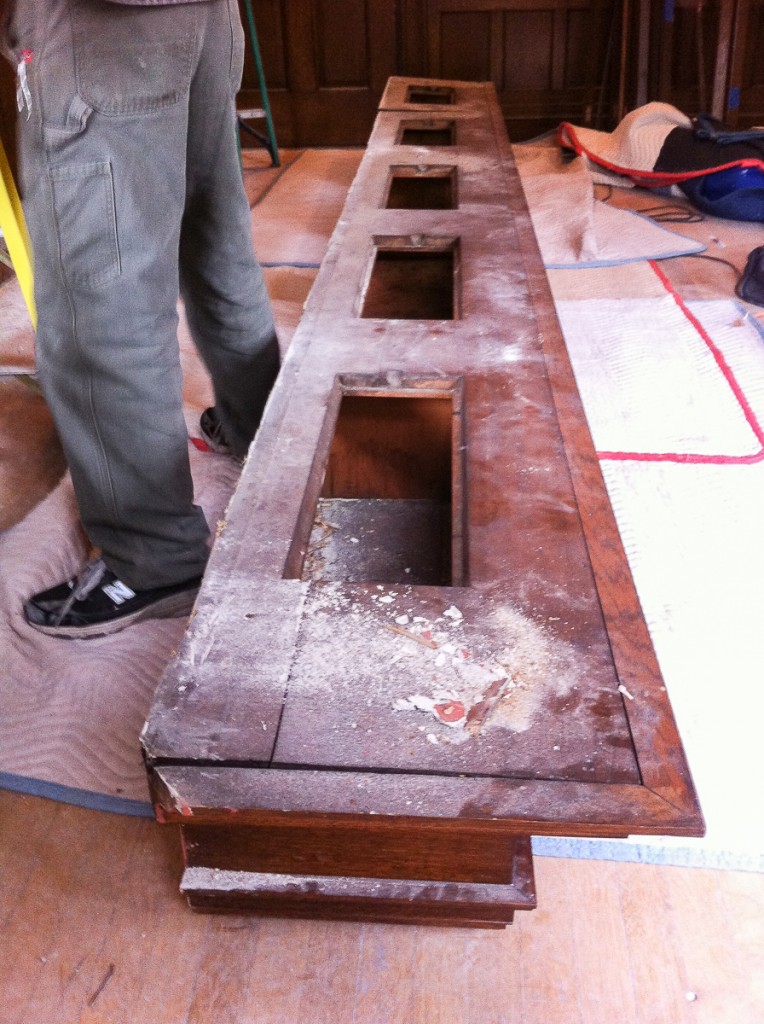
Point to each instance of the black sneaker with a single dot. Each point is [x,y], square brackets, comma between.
[212,432]
[96,603]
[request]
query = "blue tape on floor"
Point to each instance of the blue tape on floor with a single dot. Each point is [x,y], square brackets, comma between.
[543,846]
[78,797]
[644,853]
[297,266]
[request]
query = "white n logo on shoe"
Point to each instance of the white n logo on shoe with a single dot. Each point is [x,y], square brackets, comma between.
[118,591]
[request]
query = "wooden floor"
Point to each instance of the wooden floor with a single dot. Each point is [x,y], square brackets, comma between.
[93,931]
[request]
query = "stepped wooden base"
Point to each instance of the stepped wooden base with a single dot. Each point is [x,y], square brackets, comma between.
[440,890]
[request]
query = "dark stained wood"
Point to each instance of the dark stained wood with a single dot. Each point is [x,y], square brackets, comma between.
[8,114]
[737,65]
[662,764]
[543,57]
[295,705]
[326,62]
[401,850]
[721,63]
[246,796]
[333,871]
[399,901]
[700,57]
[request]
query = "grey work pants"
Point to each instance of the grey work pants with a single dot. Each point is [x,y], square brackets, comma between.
[133,195]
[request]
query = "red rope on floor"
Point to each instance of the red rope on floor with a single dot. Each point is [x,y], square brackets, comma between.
[729,376]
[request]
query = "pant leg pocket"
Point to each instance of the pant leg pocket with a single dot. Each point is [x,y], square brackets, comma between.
[86,224]
[132,60]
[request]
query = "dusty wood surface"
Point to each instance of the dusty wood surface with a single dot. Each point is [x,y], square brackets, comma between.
[333,872]
[527,688]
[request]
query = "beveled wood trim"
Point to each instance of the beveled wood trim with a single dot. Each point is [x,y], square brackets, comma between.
[251,796]
[428,894]
[658,747]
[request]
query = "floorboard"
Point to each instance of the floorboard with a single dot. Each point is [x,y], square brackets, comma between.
[95,933]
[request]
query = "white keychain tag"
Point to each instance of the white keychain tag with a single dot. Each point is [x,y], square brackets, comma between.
[23,94]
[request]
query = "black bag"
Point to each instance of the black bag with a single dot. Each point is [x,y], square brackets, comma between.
[751,287]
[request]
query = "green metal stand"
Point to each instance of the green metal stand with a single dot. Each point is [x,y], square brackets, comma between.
[244,116]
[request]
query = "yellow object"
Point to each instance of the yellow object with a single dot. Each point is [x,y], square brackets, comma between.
[14,229]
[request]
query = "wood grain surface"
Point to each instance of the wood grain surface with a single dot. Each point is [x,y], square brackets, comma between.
[535,698]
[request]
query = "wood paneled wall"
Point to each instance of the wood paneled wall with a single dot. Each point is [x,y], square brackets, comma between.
[700,55]
[326,61]
[587,61]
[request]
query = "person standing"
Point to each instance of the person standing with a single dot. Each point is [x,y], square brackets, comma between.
[133,195]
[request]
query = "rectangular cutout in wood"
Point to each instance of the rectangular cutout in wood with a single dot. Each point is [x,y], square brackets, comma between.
[441,94]
[422,187]
[412,277]
[390,507]
[427,133]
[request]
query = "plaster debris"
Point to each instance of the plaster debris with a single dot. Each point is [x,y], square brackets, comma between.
[462,677]
[471,694]
[419,638]
[416,702]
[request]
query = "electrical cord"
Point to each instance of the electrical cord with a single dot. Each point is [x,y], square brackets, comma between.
[716,259]
[667,213]
[672,213]
[678,213]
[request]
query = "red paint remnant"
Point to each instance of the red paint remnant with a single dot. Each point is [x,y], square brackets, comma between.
[200,444]
[185,810]
[159,814]
[453,711]
[480,711]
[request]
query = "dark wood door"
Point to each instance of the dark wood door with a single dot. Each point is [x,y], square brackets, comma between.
[546,58]
[326,63]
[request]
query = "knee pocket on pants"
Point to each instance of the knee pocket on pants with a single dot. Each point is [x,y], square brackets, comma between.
[86,222]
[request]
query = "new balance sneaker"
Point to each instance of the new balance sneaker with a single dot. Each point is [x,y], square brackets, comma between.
[96,603]
[212,432]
